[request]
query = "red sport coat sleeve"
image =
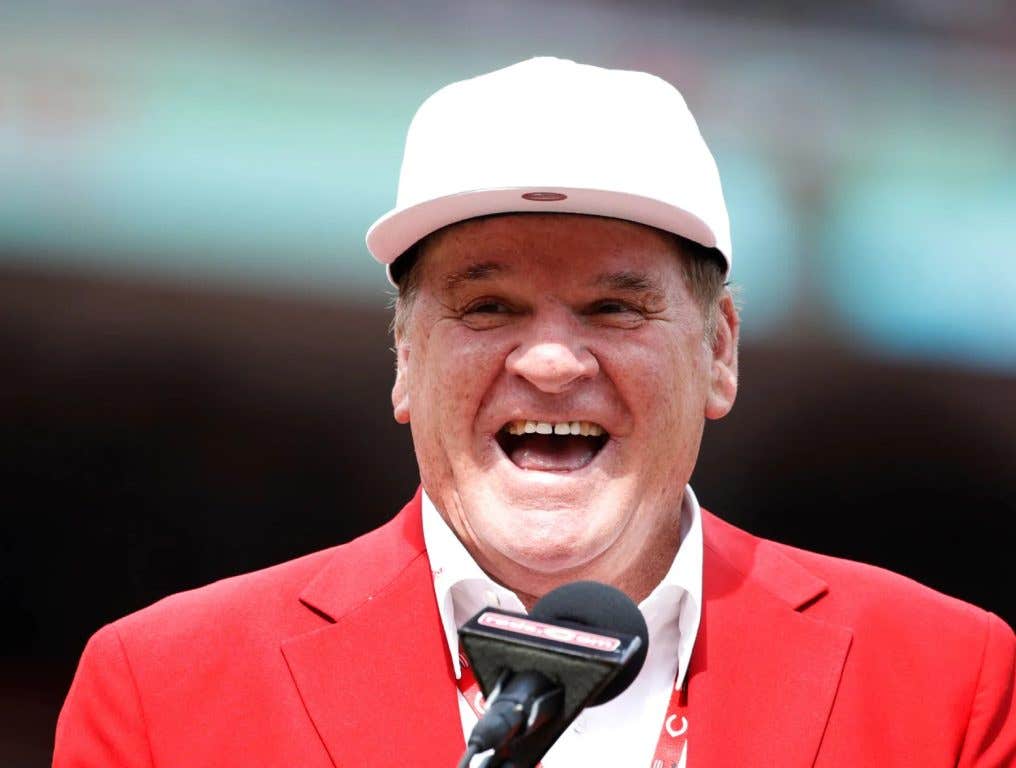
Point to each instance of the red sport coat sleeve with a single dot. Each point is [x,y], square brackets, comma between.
[991,729]
[102,724]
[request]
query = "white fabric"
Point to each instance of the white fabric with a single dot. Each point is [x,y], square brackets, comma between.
[551,135]
[622,732]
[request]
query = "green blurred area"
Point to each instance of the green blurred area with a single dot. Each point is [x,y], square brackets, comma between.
[869,173]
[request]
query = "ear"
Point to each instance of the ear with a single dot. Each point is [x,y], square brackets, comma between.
[723,371]
[400,389]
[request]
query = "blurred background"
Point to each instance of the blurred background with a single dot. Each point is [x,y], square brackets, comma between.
[194,358]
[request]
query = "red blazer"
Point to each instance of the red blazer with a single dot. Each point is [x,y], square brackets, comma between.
[339,659]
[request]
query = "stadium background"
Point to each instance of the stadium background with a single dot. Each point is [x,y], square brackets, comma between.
[194,363]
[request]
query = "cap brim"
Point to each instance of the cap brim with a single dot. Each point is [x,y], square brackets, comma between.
[393,234]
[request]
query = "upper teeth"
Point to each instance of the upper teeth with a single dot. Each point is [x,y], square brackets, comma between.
[528,427]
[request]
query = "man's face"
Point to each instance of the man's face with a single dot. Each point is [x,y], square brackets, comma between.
[581,323]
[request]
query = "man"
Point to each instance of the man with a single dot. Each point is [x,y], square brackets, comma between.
[562,331]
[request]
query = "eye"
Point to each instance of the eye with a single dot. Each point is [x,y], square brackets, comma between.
[616,313]
[611,307]
[486,313]
[486,307]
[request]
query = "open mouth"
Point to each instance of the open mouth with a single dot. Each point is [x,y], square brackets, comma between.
[562,446]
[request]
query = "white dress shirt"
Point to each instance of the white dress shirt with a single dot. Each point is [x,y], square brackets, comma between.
[624,731]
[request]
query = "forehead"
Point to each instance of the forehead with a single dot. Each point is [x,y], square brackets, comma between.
[527,246]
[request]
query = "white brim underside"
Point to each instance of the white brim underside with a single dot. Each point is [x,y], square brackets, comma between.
[391,235]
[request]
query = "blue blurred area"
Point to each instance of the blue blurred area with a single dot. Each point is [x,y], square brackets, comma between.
[869,174]
[765,239]
[921,254]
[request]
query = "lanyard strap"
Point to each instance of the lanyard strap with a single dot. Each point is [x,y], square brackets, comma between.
[670,747]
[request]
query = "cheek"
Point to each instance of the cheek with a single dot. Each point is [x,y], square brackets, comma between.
[453,373]
[663,384]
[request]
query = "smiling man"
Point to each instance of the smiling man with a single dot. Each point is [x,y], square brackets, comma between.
[563,332]
[556,370]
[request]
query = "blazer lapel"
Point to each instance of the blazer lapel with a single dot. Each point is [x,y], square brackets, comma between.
[763,674]
[378,683]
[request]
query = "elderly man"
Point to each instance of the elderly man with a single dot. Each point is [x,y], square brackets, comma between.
[560,245]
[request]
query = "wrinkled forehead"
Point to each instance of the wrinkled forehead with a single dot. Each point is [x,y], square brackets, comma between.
[520,245]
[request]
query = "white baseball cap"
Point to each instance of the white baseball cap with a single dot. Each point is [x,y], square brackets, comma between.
[549,135]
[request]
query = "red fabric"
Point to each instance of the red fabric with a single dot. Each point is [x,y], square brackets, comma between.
[339,659]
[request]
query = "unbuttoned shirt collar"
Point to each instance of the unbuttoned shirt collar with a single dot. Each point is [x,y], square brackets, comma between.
[672,610]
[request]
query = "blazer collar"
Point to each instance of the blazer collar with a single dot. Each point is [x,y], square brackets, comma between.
[377,681]
[763,674]
[367,565]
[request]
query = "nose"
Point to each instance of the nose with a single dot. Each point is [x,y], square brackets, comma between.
[553,359]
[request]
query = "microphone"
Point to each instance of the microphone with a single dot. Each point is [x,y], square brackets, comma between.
[582,645]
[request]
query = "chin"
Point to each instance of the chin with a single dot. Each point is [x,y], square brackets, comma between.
[549,541]
[547,561]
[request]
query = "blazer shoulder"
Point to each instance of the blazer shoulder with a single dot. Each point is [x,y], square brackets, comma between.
[282,599]
[911,643]
[866,590]
[859,595]
[262,598]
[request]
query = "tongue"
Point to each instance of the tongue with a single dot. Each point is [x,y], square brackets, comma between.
[550,453]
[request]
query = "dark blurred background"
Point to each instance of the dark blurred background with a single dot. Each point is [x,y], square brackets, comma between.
[194,362]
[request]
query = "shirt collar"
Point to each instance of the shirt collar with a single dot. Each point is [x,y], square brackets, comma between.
[462,588]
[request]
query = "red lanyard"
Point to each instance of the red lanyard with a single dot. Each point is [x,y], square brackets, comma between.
[673,733]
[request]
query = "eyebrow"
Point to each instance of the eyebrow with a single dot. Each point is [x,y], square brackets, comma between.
[474,272]
[628,280]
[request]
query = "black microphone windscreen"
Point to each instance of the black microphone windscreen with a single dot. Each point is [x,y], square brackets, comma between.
[595,605]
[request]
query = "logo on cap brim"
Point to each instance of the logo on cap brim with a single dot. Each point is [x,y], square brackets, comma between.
[544,197]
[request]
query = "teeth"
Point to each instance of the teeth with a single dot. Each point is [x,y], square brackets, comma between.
[529,427]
